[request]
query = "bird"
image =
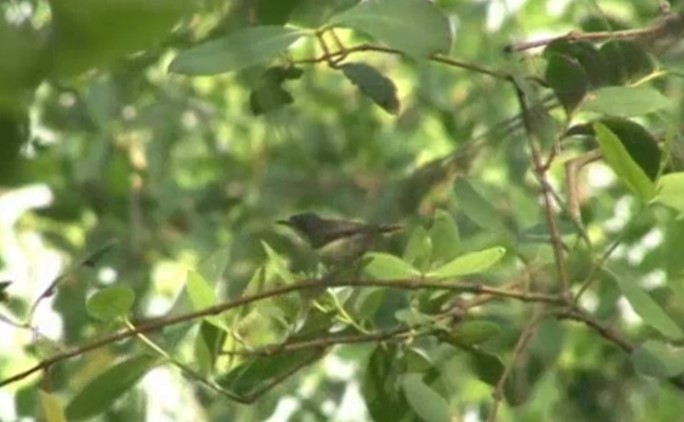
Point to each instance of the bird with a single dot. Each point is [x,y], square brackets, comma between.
[337,242]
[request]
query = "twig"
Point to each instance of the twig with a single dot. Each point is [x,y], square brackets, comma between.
[520,346]
[153,325]
[665,25]
[540,171]
[329,56]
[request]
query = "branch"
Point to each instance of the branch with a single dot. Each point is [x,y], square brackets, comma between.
[338,55]
[157,324]
[669,24]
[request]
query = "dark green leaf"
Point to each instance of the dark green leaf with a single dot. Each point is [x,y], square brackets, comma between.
[626,61]
[380,385]
[275,12]
[416,27]
[208,343]
[586,55]
[568,80]
[487,366]
[268,98]
[639,143]
[621,162]
[258,374]
[373,84]
[110,303]
[101,392]
[239,50]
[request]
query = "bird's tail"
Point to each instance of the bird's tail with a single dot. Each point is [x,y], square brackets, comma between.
[390,228]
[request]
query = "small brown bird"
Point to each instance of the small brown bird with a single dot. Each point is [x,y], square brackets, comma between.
[337,242]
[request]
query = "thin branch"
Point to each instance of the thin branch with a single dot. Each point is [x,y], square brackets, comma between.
[157,324]
[439,58]
[668,24]
[523,341]
[540,171]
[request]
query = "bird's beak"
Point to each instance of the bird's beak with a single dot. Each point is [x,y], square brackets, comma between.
[284,223]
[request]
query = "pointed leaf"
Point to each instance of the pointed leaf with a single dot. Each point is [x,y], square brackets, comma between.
[446,240]
[373,84]
[471,333]
[471,263]
[621,162]
[645,306]
[568,80]
[417,27]
[428,405]
[388,267]
[658,359]
[239,50]
[259,373]
[101,392]
[212,268]
[478,208]
[278,264]
[110,303]
[53,411]
[418,248]
[380,386]
[625,101]
[670,191]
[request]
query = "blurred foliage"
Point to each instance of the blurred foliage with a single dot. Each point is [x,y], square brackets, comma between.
[182,130]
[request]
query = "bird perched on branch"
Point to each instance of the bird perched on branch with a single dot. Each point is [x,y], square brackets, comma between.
[338,243]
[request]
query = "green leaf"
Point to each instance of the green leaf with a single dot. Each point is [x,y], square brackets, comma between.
[626,61]
[373,84]
[488,366]
[639,143]
[658,359]
[477,208]
[644,305]
[200,292]
[208,343]
[278,264]
[418,248]
[268,98]
[621,162]
[428,405]
[445,237]
[212,268]
[670,191]
[53,411]
[584,52]
[101,392]
[380,385]
[85,34]
[257,374]
[239,50]
[625,101]
[110,303]
[416,27]
[568,80]
[383,266]
[471,263]
[471,333]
